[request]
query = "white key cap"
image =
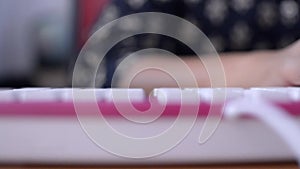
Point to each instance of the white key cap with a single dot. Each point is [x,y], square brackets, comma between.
[33,94]
[170,95]
[7,96]
[176,95]
[64,94]
[82,95]
[124,95]
[294,93]
[272,93]
[219,94]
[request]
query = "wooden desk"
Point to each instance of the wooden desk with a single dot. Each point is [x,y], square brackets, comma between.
[226,166]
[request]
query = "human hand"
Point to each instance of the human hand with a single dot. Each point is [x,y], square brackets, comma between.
[290,68]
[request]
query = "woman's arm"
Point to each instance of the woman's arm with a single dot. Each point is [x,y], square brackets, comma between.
[242,69]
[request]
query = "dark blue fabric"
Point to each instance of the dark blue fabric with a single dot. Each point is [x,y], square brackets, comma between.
[239,25]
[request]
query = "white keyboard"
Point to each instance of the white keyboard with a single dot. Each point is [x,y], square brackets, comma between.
[42,125]
[283,94]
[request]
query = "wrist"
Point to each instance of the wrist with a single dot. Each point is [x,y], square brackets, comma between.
[286,65]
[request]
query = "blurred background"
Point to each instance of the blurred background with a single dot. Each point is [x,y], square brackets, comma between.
[40,40]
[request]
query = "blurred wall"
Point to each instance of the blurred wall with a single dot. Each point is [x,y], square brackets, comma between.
[31,31]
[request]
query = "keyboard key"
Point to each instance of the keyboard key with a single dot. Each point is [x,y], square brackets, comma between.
[124,95]
[281,94]
[294,93]
[7,96]
[64,94]
[219,94]
[176,95]
[82,95]
[164,95]
[33,94]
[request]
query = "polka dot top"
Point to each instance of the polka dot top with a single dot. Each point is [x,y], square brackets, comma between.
[230,25]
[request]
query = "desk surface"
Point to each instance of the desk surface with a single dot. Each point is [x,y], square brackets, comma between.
[227,166]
